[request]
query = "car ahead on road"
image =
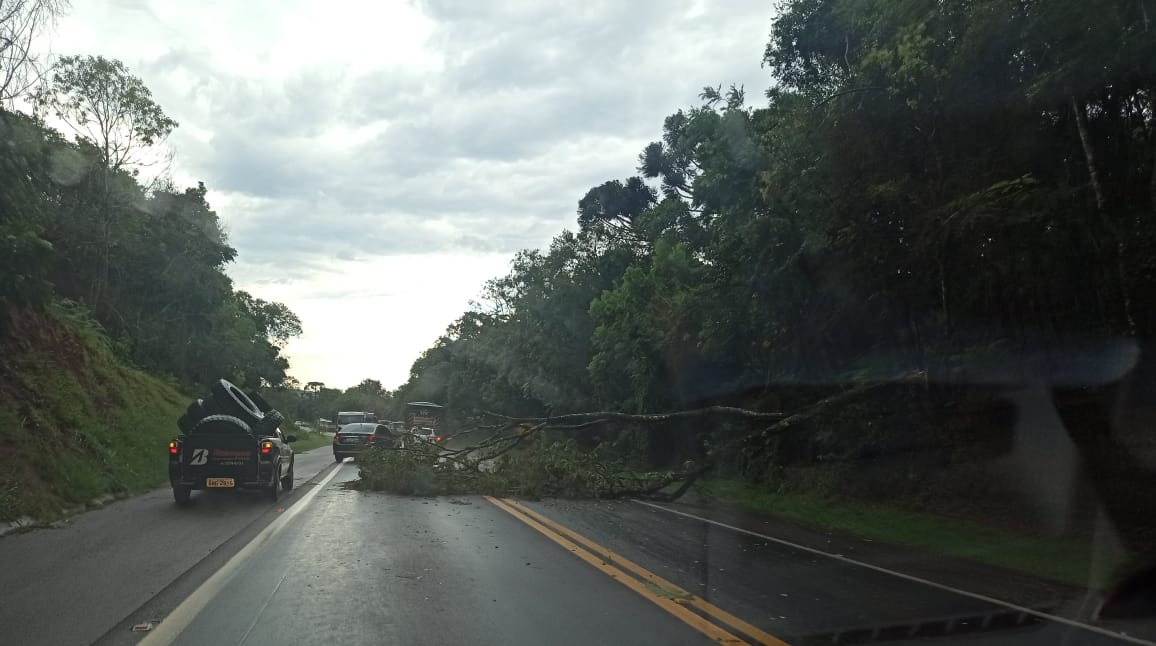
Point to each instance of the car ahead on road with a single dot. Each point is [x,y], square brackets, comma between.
[224,452]
[423,434]
[347,417]
[358,436]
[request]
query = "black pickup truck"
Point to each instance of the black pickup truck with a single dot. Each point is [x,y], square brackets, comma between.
[228,442]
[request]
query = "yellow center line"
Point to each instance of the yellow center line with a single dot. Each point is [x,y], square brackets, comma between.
[761,636]
[691,619]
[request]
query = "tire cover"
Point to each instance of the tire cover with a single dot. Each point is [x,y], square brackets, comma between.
[222,420]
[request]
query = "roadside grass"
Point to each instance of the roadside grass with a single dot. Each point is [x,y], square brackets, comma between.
[1064,560]
[76,423]
[306,440]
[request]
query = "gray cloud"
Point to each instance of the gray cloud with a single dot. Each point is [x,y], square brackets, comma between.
[533,104]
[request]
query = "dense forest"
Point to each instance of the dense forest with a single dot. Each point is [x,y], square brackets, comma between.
[954,198]
[89,220]
[961,191]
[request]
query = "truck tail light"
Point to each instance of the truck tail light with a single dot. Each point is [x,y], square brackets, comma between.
[266,448]
[174,447]
[337,437]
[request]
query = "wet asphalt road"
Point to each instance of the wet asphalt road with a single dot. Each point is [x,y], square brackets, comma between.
[337,566]
[375,569]
[808,598]
[73,583]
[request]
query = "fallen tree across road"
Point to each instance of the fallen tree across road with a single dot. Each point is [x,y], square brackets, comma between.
[526,456]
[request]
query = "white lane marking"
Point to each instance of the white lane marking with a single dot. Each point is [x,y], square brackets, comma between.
[171,627]
[908,577]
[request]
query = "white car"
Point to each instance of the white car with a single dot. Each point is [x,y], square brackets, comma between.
[426,435]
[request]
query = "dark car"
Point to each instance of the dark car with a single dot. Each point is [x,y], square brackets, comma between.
[356,437]
[224,452]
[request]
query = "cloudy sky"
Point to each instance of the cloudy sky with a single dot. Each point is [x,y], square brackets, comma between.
[375,162]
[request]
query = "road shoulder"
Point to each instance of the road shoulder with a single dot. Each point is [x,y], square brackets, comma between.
[983,579]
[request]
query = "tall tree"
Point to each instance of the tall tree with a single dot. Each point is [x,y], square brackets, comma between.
[108,106]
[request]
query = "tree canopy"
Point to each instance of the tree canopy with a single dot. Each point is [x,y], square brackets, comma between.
[962,190]
[148,262]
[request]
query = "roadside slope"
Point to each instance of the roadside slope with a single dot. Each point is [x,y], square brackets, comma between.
[76,423]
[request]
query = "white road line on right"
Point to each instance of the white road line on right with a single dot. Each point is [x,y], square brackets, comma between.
[908,577]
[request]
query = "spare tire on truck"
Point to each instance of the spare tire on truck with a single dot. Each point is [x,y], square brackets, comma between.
[231,400]
[273,419]
[222,424]
[224,452]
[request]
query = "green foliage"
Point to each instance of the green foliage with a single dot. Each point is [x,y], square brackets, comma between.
[541,468]
[149,264]
[645,339]
[24,262]
[525,348]
[615,205]
[560,469]
[104,103]
[147,261]
[316,401]
[25,256]
[412,471]
[306,440]
[76,422]
[928,187]
[273,321]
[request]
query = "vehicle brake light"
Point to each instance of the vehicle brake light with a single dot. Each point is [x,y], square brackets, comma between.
[174,447]
[438,439]
[266,448]
[337,437]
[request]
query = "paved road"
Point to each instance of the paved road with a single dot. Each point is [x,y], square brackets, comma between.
[73,583]
[337,566]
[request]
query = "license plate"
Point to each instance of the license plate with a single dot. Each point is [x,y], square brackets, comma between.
[219,482]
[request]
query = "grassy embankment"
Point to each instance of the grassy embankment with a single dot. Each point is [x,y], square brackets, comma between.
[306,440]
[1064,560]
[76,423]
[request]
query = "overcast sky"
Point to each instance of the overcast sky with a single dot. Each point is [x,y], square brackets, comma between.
[376,162]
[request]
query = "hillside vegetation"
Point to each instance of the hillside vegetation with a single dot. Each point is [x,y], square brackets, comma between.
[79,220]
[113,287]
[76,423]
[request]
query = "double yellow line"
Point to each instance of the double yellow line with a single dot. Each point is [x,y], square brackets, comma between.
[703,616]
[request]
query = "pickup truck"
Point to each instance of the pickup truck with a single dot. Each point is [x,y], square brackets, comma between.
[225,452]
